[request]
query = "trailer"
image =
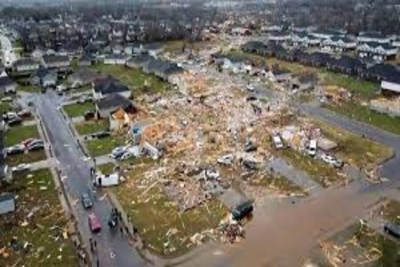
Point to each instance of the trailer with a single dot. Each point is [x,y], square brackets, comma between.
[107,180]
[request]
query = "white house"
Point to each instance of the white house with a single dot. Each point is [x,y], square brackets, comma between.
[391,84]
[366,37]
[115,59]
[338,44]
[377,51]
[109,85]
[26,65]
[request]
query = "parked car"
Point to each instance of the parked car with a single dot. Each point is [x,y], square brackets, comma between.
[392,229]
[331,160]
[242,210]
[226,159]
[276,139]
[86,200]
[14,121]
[118,152]
[26,142]
[37,146]
[250,87]
[14,150]
[312,148]
[24,113]
[94,223]
[101,135]
[126,155]
[21,168]
[250,147]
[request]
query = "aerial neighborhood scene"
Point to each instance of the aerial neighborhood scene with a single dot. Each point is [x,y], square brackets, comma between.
[200,133]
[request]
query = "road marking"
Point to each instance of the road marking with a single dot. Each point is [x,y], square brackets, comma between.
[74,202]
[112,255]
[63,178]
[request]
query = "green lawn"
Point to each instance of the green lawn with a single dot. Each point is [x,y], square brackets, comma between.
[78,109]
[89,127]
[34,156]
[17,134]
[362,113]
[43,232]
[156,216]
[362,88]
[365,89]
[107,168]
[354,149]
[104,146]
[5,107]
[135,79]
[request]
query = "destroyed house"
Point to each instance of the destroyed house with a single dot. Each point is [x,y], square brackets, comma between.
[111,103]
[346,65]
[109,85]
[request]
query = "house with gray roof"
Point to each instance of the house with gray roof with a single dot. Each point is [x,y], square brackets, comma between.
[26,66]
[109,85]
[56,62]
[7,85]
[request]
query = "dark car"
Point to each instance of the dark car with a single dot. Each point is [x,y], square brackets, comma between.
[86,200]
[101,135]
[15,150]
[15,121]
[392,229]
[36,146]
[242,210]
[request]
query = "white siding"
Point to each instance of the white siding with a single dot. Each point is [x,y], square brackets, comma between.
[390,86]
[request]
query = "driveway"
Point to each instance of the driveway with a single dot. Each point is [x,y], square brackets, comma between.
[76,179]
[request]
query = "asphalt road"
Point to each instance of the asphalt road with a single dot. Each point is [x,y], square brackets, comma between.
[9,55]
[76,179]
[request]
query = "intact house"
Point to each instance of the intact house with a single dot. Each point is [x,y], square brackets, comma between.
[391,84]
[338,44]
[44,77]
[118,109]
[7,85]
[86,60]
[379,72]
[82,77]
[305,40]
[115,59]
[109,85]
[256,47]
[377,51]
[346,65]
[373,37]
[7,203]
[279,37]
[56,62]
[25,66]
[327,34]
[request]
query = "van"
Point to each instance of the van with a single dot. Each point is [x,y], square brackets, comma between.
[276,139]
[312,148]
[94,223]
